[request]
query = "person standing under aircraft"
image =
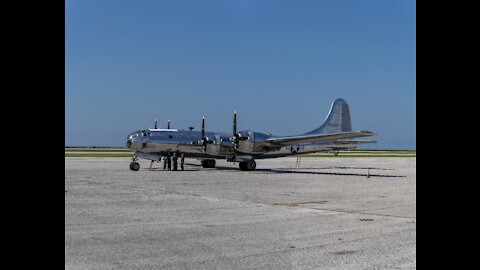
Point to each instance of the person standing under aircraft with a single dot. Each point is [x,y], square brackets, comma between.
[182,160]
[169,162]
[175,162]
[164,163]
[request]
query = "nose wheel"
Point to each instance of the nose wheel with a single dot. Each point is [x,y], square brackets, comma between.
[134,166]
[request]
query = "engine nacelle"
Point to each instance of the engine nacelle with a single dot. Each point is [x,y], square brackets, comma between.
[246,143]
[213,148]
[255,143]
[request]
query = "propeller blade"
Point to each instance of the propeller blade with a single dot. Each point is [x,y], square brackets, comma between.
[203,127]
[168,124]
[204,140]
[155,123]
[235,134]
[235,123]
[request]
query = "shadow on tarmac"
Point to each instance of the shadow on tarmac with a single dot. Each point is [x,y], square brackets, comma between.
[222,168]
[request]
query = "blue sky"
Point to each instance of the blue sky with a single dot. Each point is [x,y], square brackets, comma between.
[279,64]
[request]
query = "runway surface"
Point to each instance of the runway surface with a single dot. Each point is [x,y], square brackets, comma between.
[323,215]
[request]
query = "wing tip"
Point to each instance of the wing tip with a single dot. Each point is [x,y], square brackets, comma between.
[369,133]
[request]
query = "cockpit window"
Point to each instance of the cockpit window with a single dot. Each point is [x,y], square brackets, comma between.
[138,133]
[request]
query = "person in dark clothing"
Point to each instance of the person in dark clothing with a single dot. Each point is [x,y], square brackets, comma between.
[164,163]
[175,162]
[169,163]
[182,159]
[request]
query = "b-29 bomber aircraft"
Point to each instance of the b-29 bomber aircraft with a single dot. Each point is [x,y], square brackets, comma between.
[246,146]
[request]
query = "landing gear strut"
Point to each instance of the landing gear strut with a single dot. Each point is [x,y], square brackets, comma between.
[134,166]
[248,165]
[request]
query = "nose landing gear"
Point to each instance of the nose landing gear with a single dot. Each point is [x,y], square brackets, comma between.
[134,166]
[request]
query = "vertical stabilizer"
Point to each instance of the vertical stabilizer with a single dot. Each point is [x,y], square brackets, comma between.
[338,119]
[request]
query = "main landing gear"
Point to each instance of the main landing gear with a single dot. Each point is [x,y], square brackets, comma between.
[208,163]
[248,165]
[134,166]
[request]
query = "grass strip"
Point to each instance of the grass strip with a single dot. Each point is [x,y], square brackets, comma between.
[340,155]
[378,150]
[96,150]
[98,155]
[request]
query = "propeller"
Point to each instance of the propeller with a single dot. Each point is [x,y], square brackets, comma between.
[155,123]
[236,136]
[205,140]
[169,124]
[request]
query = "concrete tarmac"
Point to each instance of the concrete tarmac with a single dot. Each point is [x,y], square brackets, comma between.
[323,215]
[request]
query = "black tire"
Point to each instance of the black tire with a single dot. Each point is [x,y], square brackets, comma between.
[134,166]
[211,163]
[251,165]
[243,166]
[208,163]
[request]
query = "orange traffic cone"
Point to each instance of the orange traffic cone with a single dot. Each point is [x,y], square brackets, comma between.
[368,173]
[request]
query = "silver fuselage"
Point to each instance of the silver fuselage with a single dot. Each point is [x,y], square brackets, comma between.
[154,143]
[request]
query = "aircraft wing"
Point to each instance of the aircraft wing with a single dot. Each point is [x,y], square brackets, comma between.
[354,141]
[316,138]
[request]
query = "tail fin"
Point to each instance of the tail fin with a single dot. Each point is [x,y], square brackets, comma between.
[338,119]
